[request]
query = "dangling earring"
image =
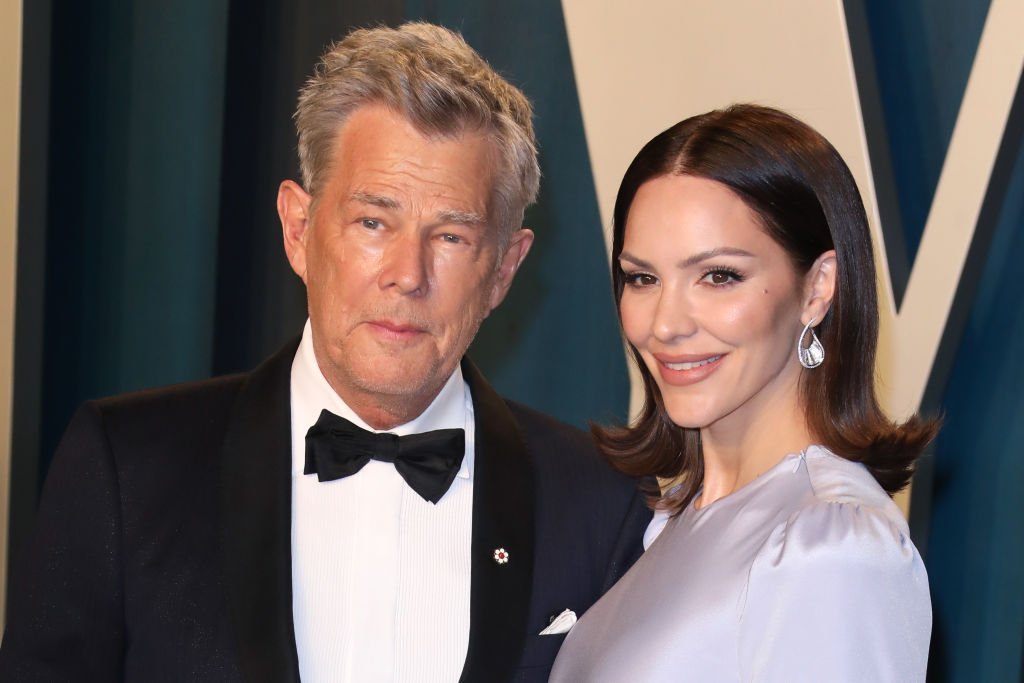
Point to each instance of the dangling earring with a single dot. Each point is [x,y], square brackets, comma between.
[814,354]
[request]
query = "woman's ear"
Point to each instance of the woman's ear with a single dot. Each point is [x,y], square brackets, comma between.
[819,288]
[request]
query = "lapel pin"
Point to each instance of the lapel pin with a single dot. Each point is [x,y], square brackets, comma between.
[501,556]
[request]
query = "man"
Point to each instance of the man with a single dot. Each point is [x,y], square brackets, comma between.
[252,527]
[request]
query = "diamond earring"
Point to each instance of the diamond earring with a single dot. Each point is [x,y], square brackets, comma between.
[813,354]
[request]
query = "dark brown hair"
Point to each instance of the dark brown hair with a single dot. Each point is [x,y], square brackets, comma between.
[807,201]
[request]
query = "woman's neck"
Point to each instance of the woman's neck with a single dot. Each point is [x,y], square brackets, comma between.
[736,454]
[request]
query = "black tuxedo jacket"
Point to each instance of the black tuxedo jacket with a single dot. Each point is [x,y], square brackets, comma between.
[162,549]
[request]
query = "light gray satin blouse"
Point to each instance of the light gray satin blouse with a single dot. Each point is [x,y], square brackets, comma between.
[805,574]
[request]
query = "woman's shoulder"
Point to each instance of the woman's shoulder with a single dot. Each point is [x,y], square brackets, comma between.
[837,585]
[834,479]
[846,519]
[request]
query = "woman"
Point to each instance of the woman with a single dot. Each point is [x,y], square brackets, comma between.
[745,283]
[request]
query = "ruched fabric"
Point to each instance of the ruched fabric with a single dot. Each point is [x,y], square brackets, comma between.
[807,573]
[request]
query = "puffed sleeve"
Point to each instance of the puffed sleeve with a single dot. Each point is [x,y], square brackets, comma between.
[838,593]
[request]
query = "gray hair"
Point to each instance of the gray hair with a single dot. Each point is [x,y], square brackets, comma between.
[440,85]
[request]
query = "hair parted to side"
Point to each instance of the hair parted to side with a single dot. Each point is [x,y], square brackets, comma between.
[440,85]
[792,178]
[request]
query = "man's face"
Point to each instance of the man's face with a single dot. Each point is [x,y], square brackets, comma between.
[402,260]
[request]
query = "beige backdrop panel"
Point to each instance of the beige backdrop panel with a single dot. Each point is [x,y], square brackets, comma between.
[642,66]
[10,87]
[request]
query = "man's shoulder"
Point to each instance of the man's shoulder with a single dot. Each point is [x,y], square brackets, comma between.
[153,428]
[534,422]
[202,398]
[566,452]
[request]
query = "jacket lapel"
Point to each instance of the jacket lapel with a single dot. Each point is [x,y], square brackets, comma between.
[256,542]
[503,514]
[256,515]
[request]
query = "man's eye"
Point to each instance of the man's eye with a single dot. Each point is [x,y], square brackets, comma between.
[371,223]
[451,238]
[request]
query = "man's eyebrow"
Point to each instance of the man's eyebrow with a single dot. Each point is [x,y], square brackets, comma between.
[468,218]
[691,260]
[446,216]
[377,200]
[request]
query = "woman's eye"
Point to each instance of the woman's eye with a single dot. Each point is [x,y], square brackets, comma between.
[640,279]
[721,276]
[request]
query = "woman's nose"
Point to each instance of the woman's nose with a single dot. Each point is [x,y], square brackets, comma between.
[673,317]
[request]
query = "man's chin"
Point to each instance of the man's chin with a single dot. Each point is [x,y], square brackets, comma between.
[396,382]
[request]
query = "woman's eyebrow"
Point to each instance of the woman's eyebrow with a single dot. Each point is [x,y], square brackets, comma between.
[691,260]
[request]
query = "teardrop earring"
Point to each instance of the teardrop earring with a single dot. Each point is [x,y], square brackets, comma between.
[813,354]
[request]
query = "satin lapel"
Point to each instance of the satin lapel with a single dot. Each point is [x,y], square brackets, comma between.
[256,514]
[503,513]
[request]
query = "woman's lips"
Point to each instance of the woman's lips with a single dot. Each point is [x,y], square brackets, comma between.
[682,371]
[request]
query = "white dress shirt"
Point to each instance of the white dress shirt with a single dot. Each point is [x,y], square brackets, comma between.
[380,576]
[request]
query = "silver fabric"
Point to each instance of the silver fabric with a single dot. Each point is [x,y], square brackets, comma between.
[805,574]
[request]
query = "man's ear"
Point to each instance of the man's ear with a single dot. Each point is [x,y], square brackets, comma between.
[819,288]
[515,253]
[293,208]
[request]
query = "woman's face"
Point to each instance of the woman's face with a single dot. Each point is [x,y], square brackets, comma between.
[711,302]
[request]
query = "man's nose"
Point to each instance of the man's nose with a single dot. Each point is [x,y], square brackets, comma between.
[405,266]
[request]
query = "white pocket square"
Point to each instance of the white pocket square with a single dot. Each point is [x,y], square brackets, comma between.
[560,624]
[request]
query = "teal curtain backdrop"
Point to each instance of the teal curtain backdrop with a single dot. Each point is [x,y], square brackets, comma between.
[158,252]
[134,174]
[121,170]
[155,133]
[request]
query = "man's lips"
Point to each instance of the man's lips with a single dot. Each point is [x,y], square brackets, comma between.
[394,328]
[682,370]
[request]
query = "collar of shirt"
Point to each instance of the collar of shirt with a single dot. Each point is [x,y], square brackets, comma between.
[311,393]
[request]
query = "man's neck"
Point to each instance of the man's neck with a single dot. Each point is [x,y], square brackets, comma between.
[382,414]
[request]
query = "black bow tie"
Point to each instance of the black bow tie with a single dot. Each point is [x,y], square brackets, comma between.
[336,448]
